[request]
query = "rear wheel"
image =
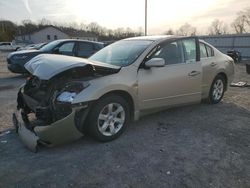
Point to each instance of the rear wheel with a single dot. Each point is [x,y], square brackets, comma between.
[217,89]
[109,117]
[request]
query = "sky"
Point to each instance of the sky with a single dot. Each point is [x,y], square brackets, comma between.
[162,14]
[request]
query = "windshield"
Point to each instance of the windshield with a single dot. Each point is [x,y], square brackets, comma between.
[121,53]
[50,46]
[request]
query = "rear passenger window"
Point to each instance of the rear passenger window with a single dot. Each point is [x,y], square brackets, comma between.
[210,51]
[189,46]
[203,51]
[85,46]
[85,49]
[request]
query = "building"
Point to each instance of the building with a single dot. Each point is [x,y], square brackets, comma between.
[50,33]
[239,42]
[46,34]
[81,34]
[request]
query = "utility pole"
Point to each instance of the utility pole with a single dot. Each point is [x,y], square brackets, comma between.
[146,12]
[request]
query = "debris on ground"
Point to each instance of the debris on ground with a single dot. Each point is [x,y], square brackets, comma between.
[240,84]
[4,133]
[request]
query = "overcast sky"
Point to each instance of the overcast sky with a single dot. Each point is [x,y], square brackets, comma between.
[162,14]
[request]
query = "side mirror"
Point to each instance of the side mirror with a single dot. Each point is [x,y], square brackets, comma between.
[155,62]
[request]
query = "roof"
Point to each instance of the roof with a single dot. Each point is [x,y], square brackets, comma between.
[78,33]
[34,30]
[73,40]
[68,31]
[153,37]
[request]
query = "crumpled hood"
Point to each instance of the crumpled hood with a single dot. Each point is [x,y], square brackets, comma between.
[45,66]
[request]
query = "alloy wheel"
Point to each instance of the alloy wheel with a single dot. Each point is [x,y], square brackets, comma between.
[111,119]
[218,89]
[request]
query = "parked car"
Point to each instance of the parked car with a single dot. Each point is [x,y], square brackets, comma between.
[235,55]
[71,47]
[248,68]
[33,46]
[9,46]
[100,95]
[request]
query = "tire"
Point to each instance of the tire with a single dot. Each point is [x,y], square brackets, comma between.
[108,118]
[217,89]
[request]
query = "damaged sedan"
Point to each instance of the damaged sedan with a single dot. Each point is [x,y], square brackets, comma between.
[66,97]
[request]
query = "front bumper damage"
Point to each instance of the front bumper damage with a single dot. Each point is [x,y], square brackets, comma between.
[59,132]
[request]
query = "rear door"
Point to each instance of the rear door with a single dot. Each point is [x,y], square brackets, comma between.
[178,82]
[209,66]
[85,49]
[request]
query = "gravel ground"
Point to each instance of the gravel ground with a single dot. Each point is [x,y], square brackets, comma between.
[194,146]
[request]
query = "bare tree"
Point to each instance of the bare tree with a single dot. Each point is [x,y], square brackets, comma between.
[241,24]
[218,27]
[169,32]
[246,13]
[7,30]
[83,26]
[186,30]
[44,21]
[94,27]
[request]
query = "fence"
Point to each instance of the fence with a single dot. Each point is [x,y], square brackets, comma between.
[239,42]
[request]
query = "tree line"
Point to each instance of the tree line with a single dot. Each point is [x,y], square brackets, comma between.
[8,29]
[240,25]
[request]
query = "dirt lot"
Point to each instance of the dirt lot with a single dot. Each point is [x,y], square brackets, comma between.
[195,146]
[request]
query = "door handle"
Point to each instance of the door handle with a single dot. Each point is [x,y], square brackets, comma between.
[213,64]
[194,73]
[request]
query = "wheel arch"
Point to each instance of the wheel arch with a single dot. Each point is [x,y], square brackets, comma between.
[224,76]
[125,95]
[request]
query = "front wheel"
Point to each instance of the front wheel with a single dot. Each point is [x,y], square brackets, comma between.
[217,89]
[109,118]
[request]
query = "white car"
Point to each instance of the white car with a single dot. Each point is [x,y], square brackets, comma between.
[9,46]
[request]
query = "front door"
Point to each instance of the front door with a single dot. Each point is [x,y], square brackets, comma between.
[178,82]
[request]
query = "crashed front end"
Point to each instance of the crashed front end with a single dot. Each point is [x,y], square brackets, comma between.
[46,113]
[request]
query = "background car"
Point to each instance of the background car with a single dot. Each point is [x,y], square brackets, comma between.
[248,68]
[235,55]
[70,47]
[9,46]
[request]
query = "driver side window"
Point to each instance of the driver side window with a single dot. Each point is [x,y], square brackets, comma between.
[171,52]
[66,48]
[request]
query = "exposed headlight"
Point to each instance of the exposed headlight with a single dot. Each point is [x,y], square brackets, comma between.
[66,96]
[70,91]
[17,57]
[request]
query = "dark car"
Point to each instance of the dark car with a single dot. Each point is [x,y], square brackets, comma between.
[248,68]
[236,55]
[70,47]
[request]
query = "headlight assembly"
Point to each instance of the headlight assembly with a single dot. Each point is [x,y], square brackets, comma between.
[19,57]
[66,96]
[70,91]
